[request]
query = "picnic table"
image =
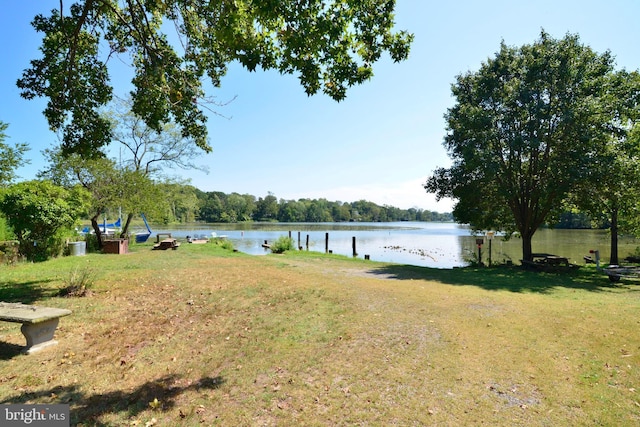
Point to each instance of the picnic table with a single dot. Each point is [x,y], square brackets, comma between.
[547,262]
[165,235]
[167,244]
[549,259]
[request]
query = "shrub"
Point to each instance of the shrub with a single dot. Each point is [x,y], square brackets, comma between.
[5,230]
[226,244]
[9,252]
[282,244]
[222,243]
[41,215]
[78,283]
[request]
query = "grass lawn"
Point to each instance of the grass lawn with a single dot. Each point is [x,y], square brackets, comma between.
[202,336]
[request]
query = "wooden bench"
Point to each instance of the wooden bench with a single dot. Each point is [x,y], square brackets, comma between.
[38,323]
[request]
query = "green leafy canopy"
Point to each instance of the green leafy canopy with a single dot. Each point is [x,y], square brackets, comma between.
[37,211]
[10,157]
[330,44]
[524,133]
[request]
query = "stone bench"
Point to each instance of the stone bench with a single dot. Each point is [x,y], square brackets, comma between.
[38,323]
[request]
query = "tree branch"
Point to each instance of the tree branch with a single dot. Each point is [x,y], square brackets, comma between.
[73,40]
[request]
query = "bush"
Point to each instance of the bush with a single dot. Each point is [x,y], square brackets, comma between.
[41,215]
[5,230]
[78,283]
[9,252]
[92,243]
[223,243]
[282,245]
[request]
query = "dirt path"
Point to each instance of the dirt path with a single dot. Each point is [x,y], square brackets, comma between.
[369,270]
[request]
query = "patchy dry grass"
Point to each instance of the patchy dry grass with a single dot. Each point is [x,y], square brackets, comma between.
[200,336]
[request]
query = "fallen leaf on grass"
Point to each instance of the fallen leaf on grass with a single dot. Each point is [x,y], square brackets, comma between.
[155,403]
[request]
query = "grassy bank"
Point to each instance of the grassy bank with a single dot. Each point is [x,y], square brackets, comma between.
[200,336]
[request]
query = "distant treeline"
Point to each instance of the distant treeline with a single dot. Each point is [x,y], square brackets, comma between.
[185,204]
[580,220]
[216,206]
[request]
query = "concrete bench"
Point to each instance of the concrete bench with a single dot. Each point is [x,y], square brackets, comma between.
[38,323]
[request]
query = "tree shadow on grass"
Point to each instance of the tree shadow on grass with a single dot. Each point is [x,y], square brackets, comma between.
[88,409]
[25,292]
[509,278]
[9,350]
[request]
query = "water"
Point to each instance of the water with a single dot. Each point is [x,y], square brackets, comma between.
[429,244]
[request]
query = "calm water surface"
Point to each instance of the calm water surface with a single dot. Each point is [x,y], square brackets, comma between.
[430,244]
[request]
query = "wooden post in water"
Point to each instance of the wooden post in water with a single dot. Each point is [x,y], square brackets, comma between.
[307,242]
[299,246]
[353,245]
[326,243]
[289,233]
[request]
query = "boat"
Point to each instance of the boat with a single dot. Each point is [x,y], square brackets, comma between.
[142,236]
[197,239]
[105,229]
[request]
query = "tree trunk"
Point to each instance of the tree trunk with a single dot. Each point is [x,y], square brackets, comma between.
[96,229]
[614,237]
[125,229]
[527,253]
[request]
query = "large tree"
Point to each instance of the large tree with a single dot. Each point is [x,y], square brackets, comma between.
[143,151]
[329,44]
[523,133]
[109,185]
[612,191]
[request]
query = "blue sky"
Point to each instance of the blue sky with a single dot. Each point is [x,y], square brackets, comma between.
[383,141]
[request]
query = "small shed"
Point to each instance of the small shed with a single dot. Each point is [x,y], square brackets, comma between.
[115,246]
